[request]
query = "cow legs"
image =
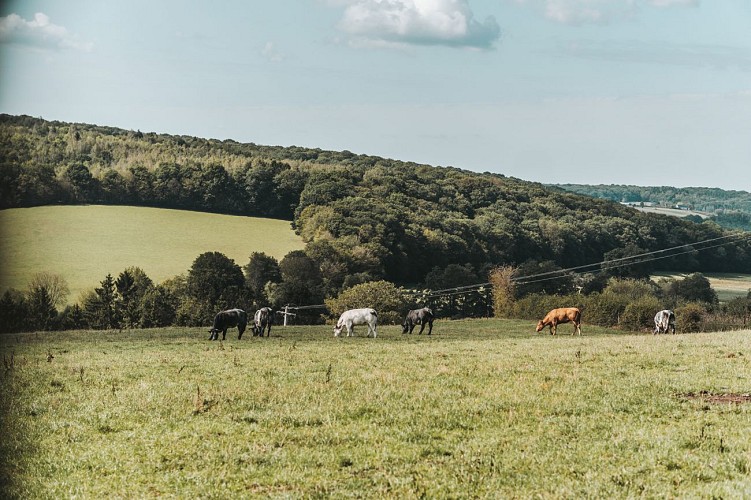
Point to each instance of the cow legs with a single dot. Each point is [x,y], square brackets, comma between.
[268,331]
[430,328]
[224,334]
[553,328]
[422,327]
[577,328]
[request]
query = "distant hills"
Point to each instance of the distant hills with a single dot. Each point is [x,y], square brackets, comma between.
[361,217]
[731,209]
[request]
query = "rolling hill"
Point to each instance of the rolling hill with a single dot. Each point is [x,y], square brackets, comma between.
[84,243]
[360,217]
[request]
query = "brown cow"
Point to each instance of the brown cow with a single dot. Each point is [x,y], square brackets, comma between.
[562,315]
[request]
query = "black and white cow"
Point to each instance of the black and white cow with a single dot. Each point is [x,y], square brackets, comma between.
[263,319]
[664,321]
[418,317]
[229,319]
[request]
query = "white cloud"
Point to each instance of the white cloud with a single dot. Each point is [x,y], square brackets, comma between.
[39,32]
[271,53]
[598,11]
[417,22]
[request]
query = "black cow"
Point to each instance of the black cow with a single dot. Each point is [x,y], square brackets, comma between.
[418,317]
[228,319]
[263,319]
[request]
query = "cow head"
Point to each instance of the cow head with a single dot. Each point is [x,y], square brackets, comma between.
[337,330]
[540,326]
[405,327]
[213,334]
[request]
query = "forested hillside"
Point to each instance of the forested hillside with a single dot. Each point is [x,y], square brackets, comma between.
[362,217]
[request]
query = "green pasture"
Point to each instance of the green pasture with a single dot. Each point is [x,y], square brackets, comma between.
[727,285]
[84,243]
[482,408]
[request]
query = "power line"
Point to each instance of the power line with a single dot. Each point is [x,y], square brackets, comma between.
[597,267]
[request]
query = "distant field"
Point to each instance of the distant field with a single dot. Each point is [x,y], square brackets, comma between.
[84,243]
[727,285]
[673,211]
[480,409]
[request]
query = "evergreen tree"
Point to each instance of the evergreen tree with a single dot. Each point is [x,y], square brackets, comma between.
[42,312]
[99,307]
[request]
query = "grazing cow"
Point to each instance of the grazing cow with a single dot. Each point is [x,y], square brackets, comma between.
[263,319]
[561,315]
[354,317]
[664,321]
[228,319]
[418,317]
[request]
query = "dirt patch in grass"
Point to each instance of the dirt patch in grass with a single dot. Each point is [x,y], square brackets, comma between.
[722,398]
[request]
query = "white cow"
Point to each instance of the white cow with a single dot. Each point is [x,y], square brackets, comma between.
[354,317]
[664,321]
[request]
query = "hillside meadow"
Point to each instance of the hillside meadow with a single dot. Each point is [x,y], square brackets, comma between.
[84,243]
[482,408]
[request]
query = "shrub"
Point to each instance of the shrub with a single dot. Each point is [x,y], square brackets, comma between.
[604,309]
[690,317]
[383,296]
[640,314]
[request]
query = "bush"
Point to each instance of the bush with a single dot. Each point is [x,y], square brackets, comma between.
[604,309]
[640,314]
[383,296]
[690,317]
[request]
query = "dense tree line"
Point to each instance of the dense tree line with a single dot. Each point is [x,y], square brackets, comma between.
[132,300]
[362,218]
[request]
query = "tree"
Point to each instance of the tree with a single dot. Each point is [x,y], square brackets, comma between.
[14,312]
[301,281]
[502,281]
[622,262]
[83,185]
[215,281]
[158,307]
[55,285]
[41,308]
[99,307]
[131,285]
[693,288]
[114,188]
[451,276]
[259,270]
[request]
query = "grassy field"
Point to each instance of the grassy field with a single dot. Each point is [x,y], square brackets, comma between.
[483,408]
[727,285]
[84,243]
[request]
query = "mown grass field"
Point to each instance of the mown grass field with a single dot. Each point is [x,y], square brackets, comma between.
[483,408]
[84,243]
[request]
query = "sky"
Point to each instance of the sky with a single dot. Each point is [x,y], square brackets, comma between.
[644,92]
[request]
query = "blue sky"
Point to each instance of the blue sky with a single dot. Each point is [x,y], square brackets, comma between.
[646,92]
